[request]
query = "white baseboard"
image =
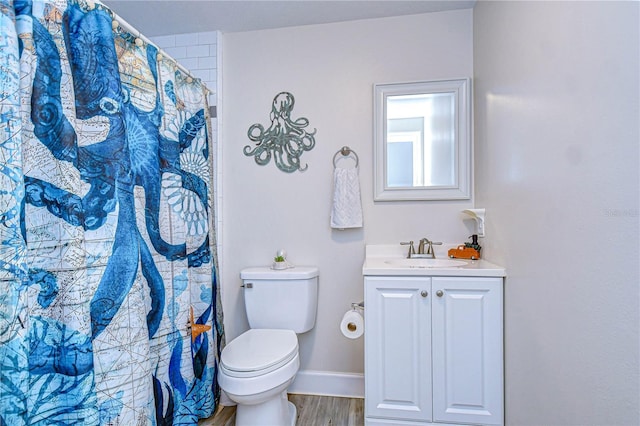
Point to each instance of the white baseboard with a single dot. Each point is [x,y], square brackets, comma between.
[328,383]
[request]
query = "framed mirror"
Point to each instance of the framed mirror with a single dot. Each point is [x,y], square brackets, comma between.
[422,138]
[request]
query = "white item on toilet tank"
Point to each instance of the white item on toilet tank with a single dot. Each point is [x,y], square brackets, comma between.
[281,299]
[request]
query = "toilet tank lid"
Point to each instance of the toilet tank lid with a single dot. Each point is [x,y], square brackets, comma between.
[267,273]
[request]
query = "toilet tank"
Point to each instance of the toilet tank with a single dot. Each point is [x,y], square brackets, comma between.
[285,299]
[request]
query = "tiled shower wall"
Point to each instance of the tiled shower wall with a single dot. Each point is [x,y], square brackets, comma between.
[199,53]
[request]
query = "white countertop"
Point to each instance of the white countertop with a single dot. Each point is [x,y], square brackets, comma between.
[376,258]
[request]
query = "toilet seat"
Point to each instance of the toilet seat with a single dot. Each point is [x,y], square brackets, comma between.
[258,351]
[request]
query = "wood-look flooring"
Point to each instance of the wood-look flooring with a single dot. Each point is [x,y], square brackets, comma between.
[312,411]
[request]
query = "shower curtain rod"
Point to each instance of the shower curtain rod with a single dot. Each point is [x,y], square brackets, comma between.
[120,21]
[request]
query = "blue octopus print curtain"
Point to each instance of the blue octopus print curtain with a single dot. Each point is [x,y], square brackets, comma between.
[109,304]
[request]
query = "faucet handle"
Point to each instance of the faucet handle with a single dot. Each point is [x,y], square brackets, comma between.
[430,246]
[412,250]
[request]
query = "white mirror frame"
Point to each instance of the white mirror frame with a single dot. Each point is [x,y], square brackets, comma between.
[461,189]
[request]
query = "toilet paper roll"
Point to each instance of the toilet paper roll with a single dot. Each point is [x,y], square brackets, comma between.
[352,325]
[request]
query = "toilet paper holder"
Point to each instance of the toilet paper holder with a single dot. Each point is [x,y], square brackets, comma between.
[357,305]
[350,322]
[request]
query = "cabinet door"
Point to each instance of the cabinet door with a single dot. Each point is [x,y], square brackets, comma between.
[467,350]
[397,347]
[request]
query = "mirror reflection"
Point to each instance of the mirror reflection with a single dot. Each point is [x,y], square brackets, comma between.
[422,141]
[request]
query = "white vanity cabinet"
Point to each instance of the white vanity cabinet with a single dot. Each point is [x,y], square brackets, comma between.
[433,350]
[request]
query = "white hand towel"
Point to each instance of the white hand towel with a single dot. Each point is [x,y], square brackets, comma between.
[347,206]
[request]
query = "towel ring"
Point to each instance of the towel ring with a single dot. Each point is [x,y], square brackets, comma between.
[345,151]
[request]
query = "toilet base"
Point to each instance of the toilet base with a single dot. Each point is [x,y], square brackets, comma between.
[272,412]
[293,413]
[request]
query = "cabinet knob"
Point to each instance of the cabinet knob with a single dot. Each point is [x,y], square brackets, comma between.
[423,293]
[439,293]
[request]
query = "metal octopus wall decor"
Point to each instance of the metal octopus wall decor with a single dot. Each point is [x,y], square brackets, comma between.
[285,139]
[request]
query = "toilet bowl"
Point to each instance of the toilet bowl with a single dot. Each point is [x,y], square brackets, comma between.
[256,369]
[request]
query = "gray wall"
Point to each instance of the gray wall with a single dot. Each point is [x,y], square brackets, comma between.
[557,154]
[330,69]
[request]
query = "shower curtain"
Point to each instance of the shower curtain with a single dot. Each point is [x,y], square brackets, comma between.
[109,305]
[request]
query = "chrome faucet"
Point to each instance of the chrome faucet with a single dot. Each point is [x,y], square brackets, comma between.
[421,246]
[429,254]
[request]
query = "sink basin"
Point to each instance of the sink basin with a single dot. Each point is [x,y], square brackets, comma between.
[426,263]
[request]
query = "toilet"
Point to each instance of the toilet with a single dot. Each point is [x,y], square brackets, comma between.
[257,367]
